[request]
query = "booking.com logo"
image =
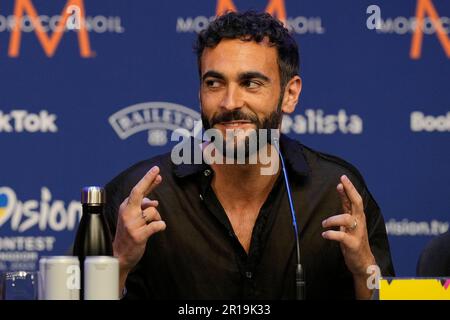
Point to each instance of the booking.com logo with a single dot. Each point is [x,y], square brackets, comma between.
[26,19]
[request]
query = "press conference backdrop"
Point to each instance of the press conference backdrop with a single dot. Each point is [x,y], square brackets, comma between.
[77,107]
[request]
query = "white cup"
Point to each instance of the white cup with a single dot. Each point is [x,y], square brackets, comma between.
[101,278]
[60,277]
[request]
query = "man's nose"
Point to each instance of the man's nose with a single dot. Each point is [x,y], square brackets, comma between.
[232,98]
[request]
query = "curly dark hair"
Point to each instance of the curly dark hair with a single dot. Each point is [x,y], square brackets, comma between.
[252,26]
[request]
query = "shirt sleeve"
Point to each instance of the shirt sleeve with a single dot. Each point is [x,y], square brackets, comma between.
[377,234]
[135,284]
[116,193]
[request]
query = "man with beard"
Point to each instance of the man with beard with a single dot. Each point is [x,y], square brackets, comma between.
[226,228]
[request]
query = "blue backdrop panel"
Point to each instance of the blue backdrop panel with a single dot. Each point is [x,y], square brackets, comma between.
[70,118]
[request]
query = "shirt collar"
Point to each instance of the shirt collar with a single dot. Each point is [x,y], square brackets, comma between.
[292,152]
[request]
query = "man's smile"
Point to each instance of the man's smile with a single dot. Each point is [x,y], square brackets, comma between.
[235,124]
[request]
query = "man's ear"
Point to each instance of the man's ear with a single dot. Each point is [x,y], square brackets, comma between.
[291,94]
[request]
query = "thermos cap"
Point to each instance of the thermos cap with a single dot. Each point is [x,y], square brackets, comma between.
[93,195]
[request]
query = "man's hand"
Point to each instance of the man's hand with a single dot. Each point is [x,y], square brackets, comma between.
[138,219]
[352,235]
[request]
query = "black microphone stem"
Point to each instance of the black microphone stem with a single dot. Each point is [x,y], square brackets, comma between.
[299,274]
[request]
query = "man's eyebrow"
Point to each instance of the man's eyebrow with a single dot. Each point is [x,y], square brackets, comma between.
[253,75]
[213,74]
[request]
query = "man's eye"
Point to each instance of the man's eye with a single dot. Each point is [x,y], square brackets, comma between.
[251,84]
[212,83]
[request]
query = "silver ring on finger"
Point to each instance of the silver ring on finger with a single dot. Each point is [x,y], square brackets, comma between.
[353,226]
[143,216]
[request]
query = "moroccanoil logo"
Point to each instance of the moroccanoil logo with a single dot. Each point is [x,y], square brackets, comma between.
[277,8]
[427,20]
[425,7]
[49,30]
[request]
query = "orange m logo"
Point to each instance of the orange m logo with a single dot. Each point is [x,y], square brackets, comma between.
[274,7]
[49,43]
[426,7]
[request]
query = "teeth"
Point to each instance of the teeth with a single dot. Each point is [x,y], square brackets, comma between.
[234,124]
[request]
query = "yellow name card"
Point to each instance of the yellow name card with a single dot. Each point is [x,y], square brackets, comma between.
[415,289]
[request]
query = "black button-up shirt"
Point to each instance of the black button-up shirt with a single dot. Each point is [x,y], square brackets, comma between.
[199,256]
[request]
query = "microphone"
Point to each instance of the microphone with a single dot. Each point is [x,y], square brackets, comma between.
[299,276]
